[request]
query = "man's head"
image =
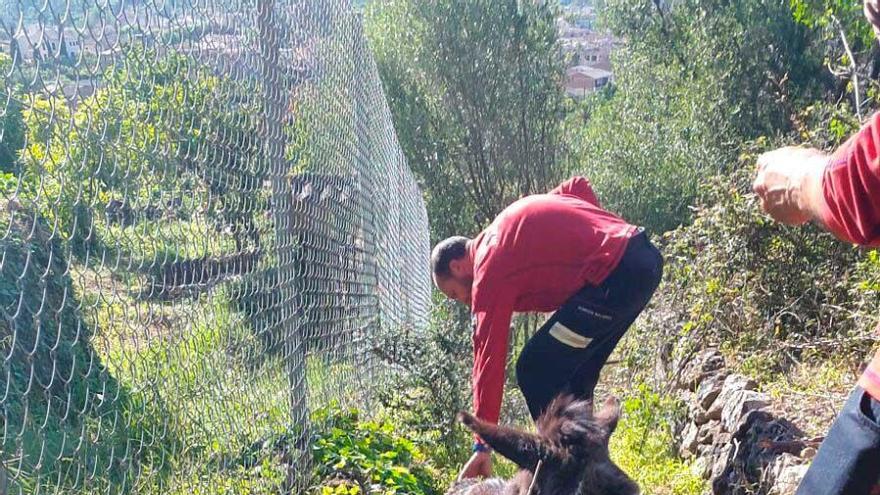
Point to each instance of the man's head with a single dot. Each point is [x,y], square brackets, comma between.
[453,269]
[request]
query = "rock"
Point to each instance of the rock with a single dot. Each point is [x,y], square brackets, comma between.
[785,474]
[709,389]
[732,384]
[706,451]
[739,404]
[808,453]
[721,459]
[739,382]
[698,368]
[701,467]
[735,441]
[701,418]
[689,440]
[707,435]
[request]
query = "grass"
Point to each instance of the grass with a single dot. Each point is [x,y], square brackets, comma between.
[195,381]
[811,393]
[183,391]
[155,242]
[643,446]
[328,380]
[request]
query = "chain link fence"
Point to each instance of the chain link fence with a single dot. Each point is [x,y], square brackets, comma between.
[207,224]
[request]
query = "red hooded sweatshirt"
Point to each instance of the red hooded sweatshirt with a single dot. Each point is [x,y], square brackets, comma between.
[537,253]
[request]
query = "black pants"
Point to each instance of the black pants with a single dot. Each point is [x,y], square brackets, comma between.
[848,462]
[569,350]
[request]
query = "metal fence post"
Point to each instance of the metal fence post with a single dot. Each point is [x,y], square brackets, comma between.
[276,95]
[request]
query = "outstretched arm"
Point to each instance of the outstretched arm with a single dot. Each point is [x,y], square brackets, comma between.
[490,359]
[789,184]
[841,192]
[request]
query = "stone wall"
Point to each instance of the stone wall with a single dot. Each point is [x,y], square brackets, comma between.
[741,445]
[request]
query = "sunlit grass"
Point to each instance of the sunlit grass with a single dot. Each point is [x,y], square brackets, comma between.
[156,242]
[643,446]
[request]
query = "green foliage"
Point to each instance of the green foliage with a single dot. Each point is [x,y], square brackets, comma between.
[474,90]
[432,377]
[764,292]
[355,456]
[12,130]
[50,367]
[834,16]
[432,381]
[82,349]
[264,478]
[643,445]
[693,80]
[171,127]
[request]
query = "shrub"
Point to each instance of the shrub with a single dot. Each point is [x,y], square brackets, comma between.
[432,382]
[643,445]
[355,456]
[762,291]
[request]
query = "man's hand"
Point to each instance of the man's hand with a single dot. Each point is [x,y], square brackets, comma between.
[789,183]
[479,466]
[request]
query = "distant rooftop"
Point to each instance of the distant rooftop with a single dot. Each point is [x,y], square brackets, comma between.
[588,71]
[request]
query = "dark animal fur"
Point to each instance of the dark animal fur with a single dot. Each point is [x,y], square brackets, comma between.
[572,445]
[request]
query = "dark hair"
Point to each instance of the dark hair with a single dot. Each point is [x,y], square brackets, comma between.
[444,252]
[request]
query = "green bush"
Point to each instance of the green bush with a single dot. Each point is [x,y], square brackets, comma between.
[432,382]
[50,366]
[355,456]
[643,445]
[767,294]
[693,80]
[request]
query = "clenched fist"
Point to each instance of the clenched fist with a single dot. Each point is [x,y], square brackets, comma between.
[789,183]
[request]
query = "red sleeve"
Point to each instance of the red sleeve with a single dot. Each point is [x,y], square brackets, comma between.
[490,358]
[851,188]
[579,187]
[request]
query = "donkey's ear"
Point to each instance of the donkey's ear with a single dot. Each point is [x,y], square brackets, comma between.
[524,449]
[609,415]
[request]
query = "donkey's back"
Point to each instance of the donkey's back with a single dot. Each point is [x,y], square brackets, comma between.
[493,486]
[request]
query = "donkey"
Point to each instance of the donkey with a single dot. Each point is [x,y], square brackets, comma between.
[568,456]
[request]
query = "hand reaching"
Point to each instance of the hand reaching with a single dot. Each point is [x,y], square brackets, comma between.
[479,466]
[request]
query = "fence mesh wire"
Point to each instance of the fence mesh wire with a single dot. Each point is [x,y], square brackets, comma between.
[207,222]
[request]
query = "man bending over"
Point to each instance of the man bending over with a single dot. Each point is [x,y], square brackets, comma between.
[559,252]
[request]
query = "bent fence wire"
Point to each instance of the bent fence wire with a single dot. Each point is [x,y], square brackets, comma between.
[207,222]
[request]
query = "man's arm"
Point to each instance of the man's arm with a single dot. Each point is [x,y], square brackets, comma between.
[490,359]
[579,187]
[840,191]
[850,203]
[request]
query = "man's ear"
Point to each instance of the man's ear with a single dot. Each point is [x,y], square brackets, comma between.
[457,267]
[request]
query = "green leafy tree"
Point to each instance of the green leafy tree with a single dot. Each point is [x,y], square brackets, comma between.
[156,127]
[475,93]
[693,80]
[12,129]
[848,47]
